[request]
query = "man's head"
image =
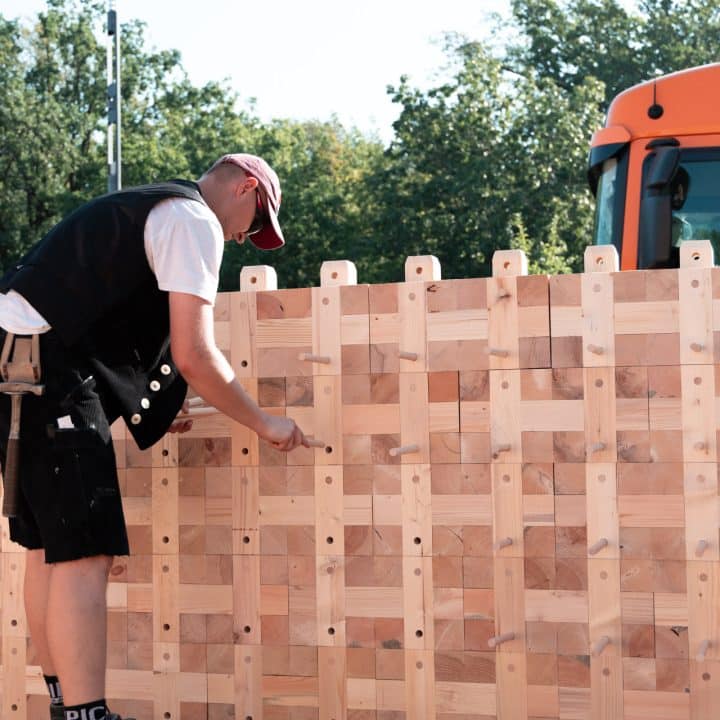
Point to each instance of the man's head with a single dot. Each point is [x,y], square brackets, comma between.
[244,192]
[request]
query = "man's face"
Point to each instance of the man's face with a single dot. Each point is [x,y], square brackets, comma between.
[246,216]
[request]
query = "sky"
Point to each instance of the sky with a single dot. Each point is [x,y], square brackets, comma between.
[308,59]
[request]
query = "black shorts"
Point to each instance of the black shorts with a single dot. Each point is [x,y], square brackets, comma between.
[69,500]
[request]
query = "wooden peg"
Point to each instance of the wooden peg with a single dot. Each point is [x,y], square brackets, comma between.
[500,544]
[702,650]
[312,442]
[503,294]
[404,450]
[194,401]
[407,355]
[595,349]
[596,547]
[697,347]
[598,447]
[505,447]
[309,357]
[600,645]
[701,547]
[196,411]
[497,352]
[500,639]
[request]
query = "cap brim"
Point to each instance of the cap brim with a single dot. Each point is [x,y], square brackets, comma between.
[270,237]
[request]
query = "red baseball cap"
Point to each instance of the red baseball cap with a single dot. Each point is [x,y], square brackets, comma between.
[270,237]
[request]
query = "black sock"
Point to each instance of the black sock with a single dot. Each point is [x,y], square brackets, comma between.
[95,710]
[53,686]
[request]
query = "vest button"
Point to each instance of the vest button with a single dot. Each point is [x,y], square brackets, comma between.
[145,403]
[154,385]
[136,419]
[165,369]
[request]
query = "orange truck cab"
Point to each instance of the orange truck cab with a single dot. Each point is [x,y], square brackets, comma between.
[655,168]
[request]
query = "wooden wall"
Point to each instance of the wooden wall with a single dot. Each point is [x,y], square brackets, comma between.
[513,514]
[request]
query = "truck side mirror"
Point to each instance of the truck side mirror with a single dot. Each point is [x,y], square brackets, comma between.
[655,245]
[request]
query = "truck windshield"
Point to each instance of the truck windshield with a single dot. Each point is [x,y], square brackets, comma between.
[696,199]
[610,202]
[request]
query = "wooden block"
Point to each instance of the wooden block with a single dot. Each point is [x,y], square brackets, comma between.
[412,335]
[701,511]
[422,267]
[258,277]
[598,336]
[601,259]
[332,682]
[508,263]
[698,413]
[703,592]
[331,610]
[602,516]
[600,426]
[505,419]
[503,323]
[508,540]
[510,605]
[338,272]
[414,417]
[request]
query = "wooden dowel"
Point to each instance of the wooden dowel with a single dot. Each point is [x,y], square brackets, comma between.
[595,548]
[701,547]
[598,447]
[697,347]
[500,639]
[498,352]
[198,412]
[403,355]
[404,450]
[505,447]
[312,442]
[595,349]
[500,544]
[502,294]
[309,357]
[195,401]
[600,645]
[702,650]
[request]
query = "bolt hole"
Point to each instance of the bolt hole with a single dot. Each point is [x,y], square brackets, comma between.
[245,451]
[331,631]
[600,261]
[417,540]
[166,539]
[244,363]
[418,633]
[329,540]
[334,275]
[246,629]
[246,539]
[696,256]
[14,623]
[166,627]
[418,270]
[165,453]
[328,449]
[253,280]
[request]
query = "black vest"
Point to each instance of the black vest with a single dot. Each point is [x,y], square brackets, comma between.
[90,279]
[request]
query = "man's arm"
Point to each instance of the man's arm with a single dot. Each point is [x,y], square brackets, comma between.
[205,368]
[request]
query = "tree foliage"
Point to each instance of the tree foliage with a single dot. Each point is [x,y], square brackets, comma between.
[492,156]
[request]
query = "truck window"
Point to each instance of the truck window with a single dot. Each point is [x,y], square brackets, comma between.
[696,199]
[610,202]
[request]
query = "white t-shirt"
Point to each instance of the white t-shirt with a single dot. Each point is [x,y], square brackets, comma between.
[184,245]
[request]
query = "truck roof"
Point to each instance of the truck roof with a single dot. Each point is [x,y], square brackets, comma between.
[689,102]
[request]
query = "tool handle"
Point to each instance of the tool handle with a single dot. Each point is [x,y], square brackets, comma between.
[11,487]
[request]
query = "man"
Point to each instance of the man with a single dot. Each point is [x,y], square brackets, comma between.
[110,291]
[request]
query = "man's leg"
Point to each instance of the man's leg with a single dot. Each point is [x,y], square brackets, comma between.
[37,586]
[76,627]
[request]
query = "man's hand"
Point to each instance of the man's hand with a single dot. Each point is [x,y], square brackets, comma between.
[282,433]
[182,425]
